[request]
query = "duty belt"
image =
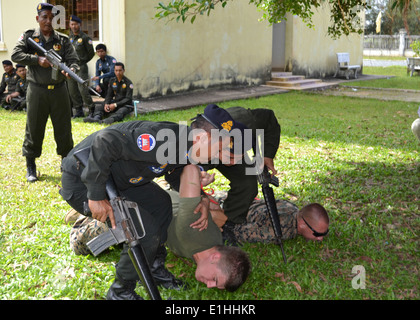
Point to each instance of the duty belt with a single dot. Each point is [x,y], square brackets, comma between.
[48,86]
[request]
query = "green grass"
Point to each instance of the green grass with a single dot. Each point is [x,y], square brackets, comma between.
[358,157]
[398,78]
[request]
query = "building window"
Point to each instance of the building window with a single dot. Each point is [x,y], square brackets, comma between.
[86,10]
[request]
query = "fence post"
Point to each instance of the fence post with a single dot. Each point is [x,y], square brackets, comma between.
[401,50]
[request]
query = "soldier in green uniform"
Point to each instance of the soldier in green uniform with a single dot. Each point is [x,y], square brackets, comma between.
[132,152]
[17,99]
[8,81]
[118,101]
[82,43]
[47,94]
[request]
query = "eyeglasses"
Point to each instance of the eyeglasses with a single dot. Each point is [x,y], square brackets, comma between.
[316,233]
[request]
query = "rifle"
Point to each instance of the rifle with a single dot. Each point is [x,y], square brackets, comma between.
[128,221]
[265,179]
[55,59]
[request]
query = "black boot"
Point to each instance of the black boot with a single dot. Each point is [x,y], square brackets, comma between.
[161,275]
[91,119]
[31,170]
[123,290]
[79,113]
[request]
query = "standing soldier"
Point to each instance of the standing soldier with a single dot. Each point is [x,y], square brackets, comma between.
[83,45]
[47,93]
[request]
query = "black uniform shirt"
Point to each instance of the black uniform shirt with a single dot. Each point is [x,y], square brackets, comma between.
[134,152]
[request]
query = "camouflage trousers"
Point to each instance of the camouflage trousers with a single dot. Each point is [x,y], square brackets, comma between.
[258,226]
[85,229]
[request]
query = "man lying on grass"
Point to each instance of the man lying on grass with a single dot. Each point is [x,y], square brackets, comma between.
[217,265]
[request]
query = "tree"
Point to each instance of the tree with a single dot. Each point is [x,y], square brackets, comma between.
[405,6]
[345,14]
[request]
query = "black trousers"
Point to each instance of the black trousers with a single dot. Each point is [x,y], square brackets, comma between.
[156,212]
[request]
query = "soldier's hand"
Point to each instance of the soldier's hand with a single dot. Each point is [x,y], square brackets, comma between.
[101,210]
[43,62]
[203,222]
[269,163]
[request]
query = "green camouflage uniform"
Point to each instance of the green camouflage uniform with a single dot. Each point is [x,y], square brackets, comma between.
[258,226]
[85,229]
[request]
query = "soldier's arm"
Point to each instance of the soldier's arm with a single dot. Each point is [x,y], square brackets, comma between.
[266,119]
[89,49]
[20,53]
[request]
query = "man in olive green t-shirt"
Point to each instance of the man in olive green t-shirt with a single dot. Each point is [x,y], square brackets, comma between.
[201,240]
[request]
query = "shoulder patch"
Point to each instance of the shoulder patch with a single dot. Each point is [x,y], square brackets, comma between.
[146,142]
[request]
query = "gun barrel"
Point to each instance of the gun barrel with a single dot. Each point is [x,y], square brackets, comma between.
[55,59]
[139,260]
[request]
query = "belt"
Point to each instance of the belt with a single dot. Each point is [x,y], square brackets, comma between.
[48,86]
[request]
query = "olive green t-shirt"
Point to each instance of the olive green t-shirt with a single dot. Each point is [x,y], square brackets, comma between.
[183,240]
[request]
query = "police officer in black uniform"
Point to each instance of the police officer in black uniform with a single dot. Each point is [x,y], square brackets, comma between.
[47,94]
[243,186]
[135,153]
[17,99]
[8,81]
[118,101]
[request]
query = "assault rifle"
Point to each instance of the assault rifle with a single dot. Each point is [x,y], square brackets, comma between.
[129,229]
[55,59]
[265,179]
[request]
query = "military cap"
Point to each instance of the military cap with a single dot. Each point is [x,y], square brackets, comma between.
[222,120]
[7,62]
[20,66]
[47,6]
[75,19]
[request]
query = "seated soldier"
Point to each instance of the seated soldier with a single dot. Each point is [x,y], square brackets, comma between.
[8,81]
[118,101]
[104,70]
[17,99]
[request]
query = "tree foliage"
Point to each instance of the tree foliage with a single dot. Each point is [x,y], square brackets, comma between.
[345,18]
[394,17]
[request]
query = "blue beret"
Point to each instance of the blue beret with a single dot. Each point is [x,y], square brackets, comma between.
[7,62]
[221,119]
[47,6]
[75,19]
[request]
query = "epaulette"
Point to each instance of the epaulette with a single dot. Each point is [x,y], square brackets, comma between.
[61,34]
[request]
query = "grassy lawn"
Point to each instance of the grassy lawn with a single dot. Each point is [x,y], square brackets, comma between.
[398,78]
[357,157]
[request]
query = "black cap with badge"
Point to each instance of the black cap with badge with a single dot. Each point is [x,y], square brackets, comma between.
[47,6]
[222,120]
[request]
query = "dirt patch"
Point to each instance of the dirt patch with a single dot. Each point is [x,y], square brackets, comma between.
[381,94]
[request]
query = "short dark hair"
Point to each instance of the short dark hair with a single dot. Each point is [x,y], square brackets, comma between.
[119,64]
[235,264]
[100,46]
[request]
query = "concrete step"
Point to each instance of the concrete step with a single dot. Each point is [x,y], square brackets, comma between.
[313,86]
[294,83]
[287,78]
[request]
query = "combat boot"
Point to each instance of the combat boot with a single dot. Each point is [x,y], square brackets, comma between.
[123,290]
[79,113]
[96,118]
[31,170]
[163,276]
